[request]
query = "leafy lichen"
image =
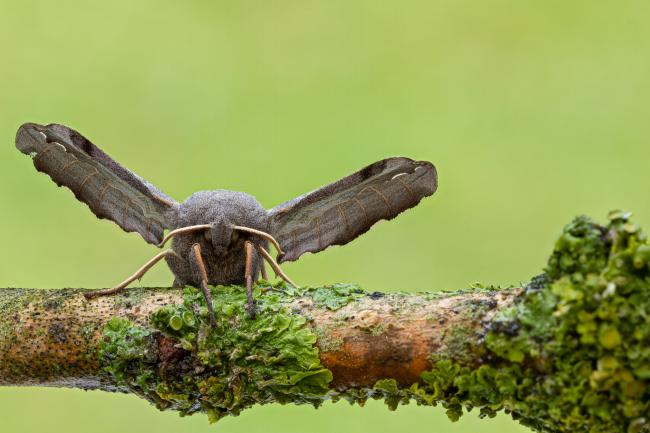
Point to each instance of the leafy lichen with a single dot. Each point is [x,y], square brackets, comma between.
[571,355]
[586,332]
[123,347]
[186,365]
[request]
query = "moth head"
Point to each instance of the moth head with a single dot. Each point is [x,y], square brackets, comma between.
[221,236]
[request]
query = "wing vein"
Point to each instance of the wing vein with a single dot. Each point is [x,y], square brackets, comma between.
[85,179]
[48,148]
[344,217]
[68,165]
[407,188]
[293,239]
[365,213]
[125,209]
[318,230]
[384,198]
[103,191]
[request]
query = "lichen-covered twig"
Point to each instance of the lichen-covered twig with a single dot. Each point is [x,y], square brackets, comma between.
[569,352]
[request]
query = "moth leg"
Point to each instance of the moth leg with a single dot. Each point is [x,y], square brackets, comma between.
[262,266]
[264,274]
[198,269]
[138,274]
[274,265]
[248,275]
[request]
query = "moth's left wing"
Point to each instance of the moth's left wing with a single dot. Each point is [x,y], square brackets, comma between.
[343,210]
[110,190]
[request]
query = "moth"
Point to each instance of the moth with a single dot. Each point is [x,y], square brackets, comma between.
[221,237]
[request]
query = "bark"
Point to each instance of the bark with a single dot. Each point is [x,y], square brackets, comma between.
[52,337]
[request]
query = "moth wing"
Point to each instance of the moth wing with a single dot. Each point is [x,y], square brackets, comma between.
[338,213]
[110,190]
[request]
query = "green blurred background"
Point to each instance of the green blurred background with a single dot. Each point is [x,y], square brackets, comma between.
[533,112]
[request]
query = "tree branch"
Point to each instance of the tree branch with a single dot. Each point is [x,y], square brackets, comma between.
[53,337]
[566,353]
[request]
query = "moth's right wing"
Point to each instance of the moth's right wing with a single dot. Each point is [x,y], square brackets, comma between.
[110,190]
[339,212]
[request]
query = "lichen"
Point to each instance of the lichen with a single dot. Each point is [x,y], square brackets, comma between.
[332,297]
[571,354]
[586,331]
[127,356]
[378,329]
[461,345]
[183,363]
[327,341]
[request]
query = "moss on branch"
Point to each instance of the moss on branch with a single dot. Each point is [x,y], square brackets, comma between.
[566,353]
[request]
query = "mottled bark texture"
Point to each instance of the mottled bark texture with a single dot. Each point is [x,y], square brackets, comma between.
[52,337]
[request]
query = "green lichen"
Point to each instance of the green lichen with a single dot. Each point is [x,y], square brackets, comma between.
[332,297]
[584,332]
[388,390]
[327,342]
[184,364]
[573,353]
[378,329]
[124,347]
[461,345]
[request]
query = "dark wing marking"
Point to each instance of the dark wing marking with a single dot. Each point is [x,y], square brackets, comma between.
[110,190]
[343,210]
